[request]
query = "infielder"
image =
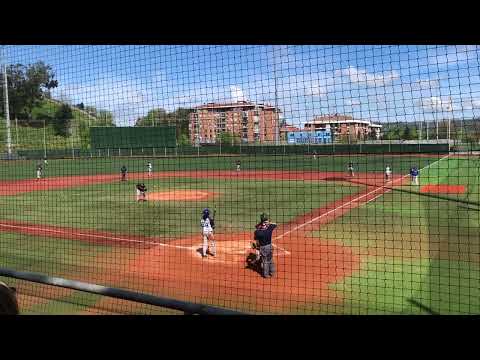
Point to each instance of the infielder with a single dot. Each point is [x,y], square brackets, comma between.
[414,175]
[141,192]
[388,173]
[149,168]
[124,172]
[39,171]
[208,225]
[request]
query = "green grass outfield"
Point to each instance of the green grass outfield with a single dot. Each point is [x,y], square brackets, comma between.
[413,247]
[25,169]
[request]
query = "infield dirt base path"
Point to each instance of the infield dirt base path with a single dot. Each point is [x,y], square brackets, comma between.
[306,266]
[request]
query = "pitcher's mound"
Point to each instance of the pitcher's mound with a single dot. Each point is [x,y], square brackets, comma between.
[443,189]
[178,195]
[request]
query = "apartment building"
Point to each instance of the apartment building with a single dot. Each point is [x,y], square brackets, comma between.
[252,123]
[344,126]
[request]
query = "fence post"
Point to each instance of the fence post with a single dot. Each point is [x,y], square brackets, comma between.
[73,153]
[198,151]
[119,152]
[153,152]
[131,152]
[176,151]
[142,150]
[165,151]
[108,152]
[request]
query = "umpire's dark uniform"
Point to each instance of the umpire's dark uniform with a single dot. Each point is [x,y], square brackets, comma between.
[263,235]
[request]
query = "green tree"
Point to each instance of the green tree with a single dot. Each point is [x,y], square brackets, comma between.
[228,138]
[27,85]
[63,118]
[159,117]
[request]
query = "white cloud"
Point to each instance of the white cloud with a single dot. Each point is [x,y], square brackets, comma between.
[437,104]
[362,77]
[476,104]
[236,93]
[425,84]
[352,102]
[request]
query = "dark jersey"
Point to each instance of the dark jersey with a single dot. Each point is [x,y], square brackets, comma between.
[264,235]
[142,188]
[123,169]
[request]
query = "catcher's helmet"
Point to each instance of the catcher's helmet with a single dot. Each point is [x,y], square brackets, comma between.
[263,217]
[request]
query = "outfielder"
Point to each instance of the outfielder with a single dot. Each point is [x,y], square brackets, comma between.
[350,169]
[149,168]
[208,225]
[124,172]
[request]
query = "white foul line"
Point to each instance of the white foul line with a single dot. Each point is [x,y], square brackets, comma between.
[356,199]
[66,233]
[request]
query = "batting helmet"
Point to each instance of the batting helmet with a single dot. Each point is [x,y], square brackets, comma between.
[263,217]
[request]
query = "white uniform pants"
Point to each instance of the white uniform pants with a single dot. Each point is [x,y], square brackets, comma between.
[205,246]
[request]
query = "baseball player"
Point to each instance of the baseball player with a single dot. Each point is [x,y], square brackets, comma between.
[414,175]
[39,171]
[388,173]
[263,236]
[314,154]
[149,168]
[208,225]
[45,161]
[141,192]
[124,172]
[350,169]
[238,165]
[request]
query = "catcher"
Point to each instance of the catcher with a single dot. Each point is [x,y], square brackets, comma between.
[141,192]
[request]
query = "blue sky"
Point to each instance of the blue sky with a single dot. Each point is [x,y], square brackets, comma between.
[381,83]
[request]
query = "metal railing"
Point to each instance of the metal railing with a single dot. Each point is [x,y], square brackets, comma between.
[187,308]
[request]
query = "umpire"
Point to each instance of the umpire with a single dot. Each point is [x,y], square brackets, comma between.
[263,236]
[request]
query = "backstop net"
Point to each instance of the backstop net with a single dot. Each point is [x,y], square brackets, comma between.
[260,179]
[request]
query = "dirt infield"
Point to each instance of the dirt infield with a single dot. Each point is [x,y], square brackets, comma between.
[443,189]
[173,267]
[180,195]
[51,183]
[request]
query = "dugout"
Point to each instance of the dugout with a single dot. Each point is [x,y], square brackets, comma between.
[133,137]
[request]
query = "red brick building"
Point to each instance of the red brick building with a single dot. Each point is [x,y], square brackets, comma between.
[344,126]
[250,122]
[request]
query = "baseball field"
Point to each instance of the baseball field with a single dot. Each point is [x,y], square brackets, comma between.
[344,245]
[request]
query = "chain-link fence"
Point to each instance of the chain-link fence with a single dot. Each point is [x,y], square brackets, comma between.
[146,168]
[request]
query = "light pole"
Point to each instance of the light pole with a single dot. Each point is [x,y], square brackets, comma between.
[7,110]
[276,97]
